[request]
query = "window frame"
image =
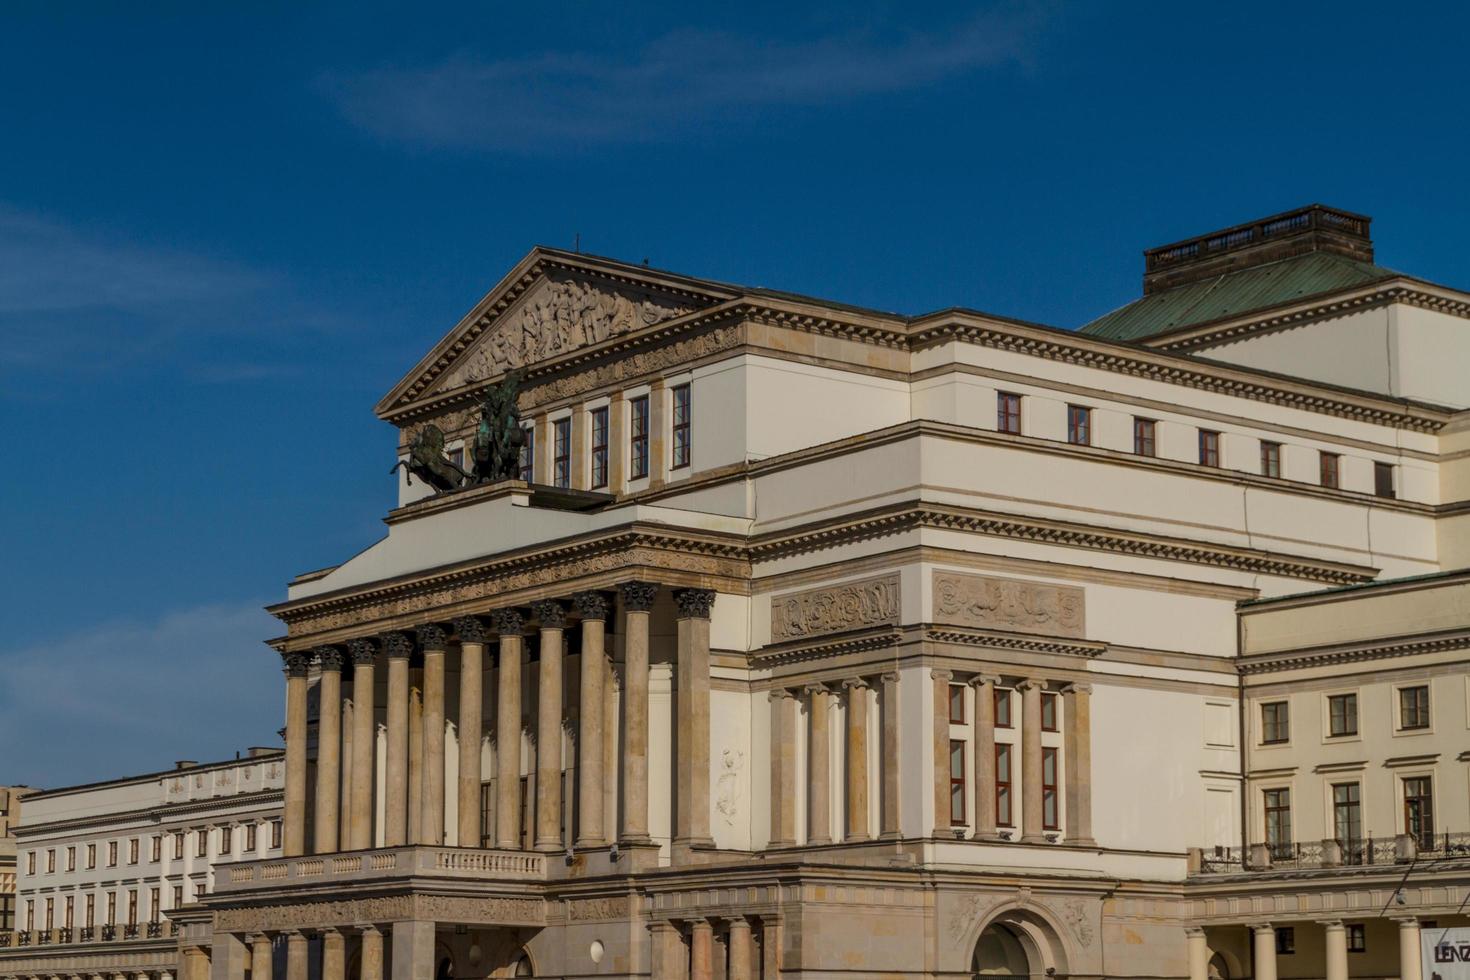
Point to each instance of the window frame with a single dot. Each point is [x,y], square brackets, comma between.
[681,451]
[1209,448]
[1285,940]
[1329,470]
[178,845]
[639,415]
[528,454]
[1349,700]
[71,858]
[956,702]
[1049,714]
[1354,808]
[135,848]
[201,843]
[958,785]
[1051,798]
[112,854]
[1282,724]
[1384,482]
[1145,437]
[1357,937]
[276,830]
[226,840]
[252,840]
[1008,412]
[1271,459]
[1280,809]
[561,452]
[91,857]
[50,860]
[598,425]
[1424,834]
[1005,811]
[1079,425]
[1422,714]
[1003,715]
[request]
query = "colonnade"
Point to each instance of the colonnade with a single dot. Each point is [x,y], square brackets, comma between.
[342,810]
[686,949]
[1335,952]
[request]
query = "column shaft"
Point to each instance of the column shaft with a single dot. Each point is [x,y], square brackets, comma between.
[371,966]
[592,674]
[1077,707]
[1335,937]
[1263,943]
[818,762]
[294,804]
[472,636]
[413,950]
[508,732]
[334,955]
[1199,955]
[701,950]
[609,751]
[665,947]
[638,600]
[260,957]
[889,761]
[227,957]
[413,802]
[857,760]
[740,959]
[296,965]
[1031,830]
[941,751]
[328,750]
[783,767]
[984,743]
[431,821]
[548,728]
[770,948]
[344,807]
[364,734]
[692,807]
[1410,966]
[395,788]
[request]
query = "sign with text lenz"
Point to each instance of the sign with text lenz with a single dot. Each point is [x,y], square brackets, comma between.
[1446,954]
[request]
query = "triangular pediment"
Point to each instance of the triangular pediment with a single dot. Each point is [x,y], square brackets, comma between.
[551,304]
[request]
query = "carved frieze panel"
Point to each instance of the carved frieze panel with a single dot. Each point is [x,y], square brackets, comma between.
[988,602]
[611,907]
[835,609]
[493,910]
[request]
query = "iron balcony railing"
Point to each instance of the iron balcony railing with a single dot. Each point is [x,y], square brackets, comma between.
[1331,853]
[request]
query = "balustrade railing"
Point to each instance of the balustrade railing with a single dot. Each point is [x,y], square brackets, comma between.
[420,860]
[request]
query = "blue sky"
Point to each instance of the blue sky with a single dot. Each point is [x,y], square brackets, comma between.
[223,235]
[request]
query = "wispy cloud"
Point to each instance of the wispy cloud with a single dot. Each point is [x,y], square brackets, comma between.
[557,99]
[130,697]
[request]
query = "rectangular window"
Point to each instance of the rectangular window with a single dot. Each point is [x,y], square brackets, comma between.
[1342,714]
[275,833]
[1209,448]
[1414,707]
[201,843]
[250,838]
[111,909]
[1278,821]
[31,863]
[1347,817]
[1002,708]
[681,426]
[153,909]
[91,910]
[67,912]
[1048,711]
[1049,809]
[1003,785]
[528,455]
[957,704]
[1275,723]
[155,849]
[1285,940]
[1270,458]
[30,915]
[1079,425]
[178,845]
[112,854]
[487,813]
[178,896]
[50,914]
[1419,810]
[132,906]
[71,859]
[133,851]
[638,437]
[599,448]
[1357,938]
[226,839]
[1383,479]
[1327,469]
[1144,437]
[51,860]
[956,783]
[91,856]
[561,453]
[1008,413]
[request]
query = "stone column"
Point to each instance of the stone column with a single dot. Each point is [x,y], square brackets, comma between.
[413,801]
[334,955]
[1199,954]
[344,797]
[399,648]
[260,957]
[984,746]
[433,639]
[783,767]
[328,749]
[508,624]
[364,651]
[196,964]
[857,759]
[1334,934]
[548,726]
[1031,821]
[371,965]
[693,668]
[1410,967]
[294,806]
[665,947]
[818,763]
[889,761]
[941,751]
[610,689]
[1263,942]
[1077,707]
[473,634]
[770,947]
[740,949]
[413,950]
[638,600]
[296,949]
[592,607]
[701,950]
[227,957]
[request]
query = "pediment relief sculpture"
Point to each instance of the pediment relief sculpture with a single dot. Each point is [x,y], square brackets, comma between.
[561,314]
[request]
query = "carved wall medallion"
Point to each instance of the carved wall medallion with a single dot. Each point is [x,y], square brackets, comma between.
[1008,604]
[873,602]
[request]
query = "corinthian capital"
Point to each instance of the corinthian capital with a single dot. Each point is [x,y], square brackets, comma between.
[296,663]
[639,596]
[471,629]
[329,657]
[432,636]
[694,603]
[508,622]
[591,605]
[551,612]
[397,646]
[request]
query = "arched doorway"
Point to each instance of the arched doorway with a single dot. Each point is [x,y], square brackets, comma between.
[1000,955]
[1219,968]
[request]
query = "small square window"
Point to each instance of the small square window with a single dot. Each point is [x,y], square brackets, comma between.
[1209,448]
[1414,707]
[1079,425]
[1008,412]
[1342,715]
[1144,437]
[1328,466]
[1383,479]
[956,704]
[1275,723]
[1285,940]
[1270,459]
[1357,938]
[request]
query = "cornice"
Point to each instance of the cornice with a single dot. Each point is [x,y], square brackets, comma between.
[1001,640]
[1326,656]
[155,816]
[836,645]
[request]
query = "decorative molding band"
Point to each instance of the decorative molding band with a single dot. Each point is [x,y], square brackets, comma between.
[1009,641]
[1356,653]
[881,638]
[879,524]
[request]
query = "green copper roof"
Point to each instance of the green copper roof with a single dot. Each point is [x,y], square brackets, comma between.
[1257,288]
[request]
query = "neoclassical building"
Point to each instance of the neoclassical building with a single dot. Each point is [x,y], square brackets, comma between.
[819,641]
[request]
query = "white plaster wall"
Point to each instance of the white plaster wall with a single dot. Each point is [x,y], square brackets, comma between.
[791,406]
[732,764]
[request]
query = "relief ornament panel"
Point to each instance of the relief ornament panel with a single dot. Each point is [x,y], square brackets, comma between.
[833,609]
[1017,605]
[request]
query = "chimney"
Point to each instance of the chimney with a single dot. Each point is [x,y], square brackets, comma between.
[185,764]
